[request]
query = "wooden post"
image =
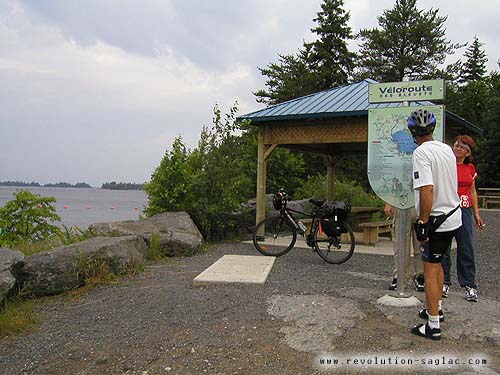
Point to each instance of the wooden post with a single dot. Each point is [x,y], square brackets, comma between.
[329,177]
[261,177]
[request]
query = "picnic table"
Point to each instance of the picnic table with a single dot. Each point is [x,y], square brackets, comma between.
[488,196]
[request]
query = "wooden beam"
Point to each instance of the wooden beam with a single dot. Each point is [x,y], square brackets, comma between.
[329,177]
[261,177]
[270,150]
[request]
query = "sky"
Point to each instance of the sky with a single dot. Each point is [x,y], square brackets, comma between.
[96,91]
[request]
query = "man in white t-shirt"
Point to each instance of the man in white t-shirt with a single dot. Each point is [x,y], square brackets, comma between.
[436,198]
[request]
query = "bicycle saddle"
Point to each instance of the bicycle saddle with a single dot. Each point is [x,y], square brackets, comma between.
[317,202]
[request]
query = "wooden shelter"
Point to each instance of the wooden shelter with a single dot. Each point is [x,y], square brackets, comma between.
[331,122]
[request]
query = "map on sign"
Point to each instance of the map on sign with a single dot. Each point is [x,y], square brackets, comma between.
[390,150]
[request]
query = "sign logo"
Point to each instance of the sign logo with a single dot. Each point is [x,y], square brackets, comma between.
[406,91]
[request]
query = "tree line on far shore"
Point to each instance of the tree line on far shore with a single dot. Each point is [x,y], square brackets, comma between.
[108,185]
[122,186]
[36,184]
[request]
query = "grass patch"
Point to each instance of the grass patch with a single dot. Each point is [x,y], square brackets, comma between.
[96,271]
[155,251]
[17,316]
[30,248]
[64,236]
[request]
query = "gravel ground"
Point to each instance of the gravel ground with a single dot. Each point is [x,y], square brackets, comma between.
[158,323]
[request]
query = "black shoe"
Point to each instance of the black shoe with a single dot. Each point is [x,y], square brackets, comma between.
[394,284]
[430,333]
[419,283]
[424,314]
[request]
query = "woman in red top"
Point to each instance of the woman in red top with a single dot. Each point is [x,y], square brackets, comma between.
[466,266]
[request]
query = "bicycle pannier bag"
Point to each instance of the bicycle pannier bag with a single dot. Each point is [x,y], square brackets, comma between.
[331,227]
[338,208]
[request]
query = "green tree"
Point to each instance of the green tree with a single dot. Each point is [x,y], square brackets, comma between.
[409,42]
[488,164]
[330,60]
[474,68]
[170,181]
[27,218]
[289,78]
[467,95]
[321,64]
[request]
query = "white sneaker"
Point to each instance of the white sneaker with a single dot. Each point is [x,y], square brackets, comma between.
[470,294]
[446,290]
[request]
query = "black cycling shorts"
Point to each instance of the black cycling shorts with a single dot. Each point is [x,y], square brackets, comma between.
[432,251]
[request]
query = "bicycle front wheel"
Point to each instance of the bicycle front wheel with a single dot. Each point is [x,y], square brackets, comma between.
[335,250]
[274,236]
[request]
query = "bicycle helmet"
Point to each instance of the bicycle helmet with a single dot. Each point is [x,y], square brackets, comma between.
[421,122]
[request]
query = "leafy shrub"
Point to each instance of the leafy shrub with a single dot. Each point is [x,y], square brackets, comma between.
[26,218]
[344,190]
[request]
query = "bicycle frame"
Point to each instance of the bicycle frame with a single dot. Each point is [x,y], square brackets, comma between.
[287,212]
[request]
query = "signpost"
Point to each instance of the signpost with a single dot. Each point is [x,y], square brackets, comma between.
[391,146]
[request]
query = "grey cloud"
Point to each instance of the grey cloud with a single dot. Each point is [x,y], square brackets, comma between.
[209,33]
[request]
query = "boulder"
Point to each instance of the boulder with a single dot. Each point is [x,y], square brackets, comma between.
[177,233]
[8,258]
[63,268]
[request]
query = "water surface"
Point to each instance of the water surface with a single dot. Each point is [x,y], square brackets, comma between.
[85,206]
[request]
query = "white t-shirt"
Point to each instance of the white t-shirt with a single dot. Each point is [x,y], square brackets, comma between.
[435,164]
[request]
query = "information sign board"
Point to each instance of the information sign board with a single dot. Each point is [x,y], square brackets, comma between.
[390,150]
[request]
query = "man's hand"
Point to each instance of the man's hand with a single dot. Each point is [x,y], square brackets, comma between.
[421,230]
[388,210]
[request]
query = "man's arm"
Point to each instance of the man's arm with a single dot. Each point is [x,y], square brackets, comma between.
[426,198]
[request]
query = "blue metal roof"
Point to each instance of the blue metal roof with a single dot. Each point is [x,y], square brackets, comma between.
[347,101]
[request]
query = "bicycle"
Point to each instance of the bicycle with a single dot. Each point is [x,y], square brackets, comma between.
[329,234]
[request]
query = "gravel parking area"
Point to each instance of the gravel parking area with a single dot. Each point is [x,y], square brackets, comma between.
[158,323]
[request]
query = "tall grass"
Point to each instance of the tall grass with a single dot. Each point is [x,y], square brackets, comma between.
[64,236]
[18,315]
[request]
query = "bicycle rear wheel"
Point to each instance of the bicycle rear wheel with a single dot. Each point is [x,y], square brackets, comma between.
[335,250]
[274,236]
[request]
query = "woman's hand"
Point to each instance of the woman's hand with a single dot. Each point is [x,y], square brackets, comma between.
[479,222]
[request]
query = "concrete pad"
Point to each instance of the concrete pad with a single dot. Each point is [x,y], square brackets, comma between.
[393,301]
[237,269]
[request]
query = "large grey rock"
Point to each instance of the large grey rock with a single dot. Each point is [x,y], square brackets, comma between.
[61,269]
[177,233]
[8,258]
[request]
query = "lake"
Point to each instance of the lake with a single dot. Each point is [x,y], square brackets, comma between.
[82,206]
